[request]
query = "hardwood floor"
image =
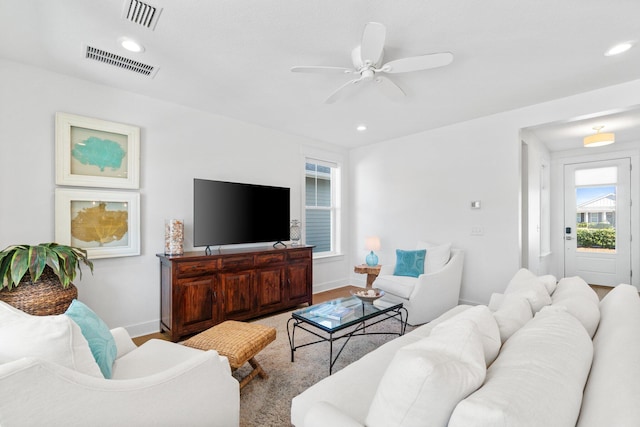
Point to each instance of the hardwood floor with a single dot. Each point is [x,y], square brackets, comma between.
[333,294]
[601,291]
[144,338]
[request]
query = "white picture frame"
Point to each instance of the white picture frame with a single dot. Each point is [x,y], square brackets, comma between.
[96,153]
[104,223]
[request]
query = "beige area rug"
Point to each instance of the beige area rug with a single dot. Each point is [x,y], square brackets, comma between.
[267,402]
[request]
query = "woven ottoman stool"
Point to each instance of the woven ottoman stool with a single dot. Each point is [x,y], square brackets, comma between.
[239,341]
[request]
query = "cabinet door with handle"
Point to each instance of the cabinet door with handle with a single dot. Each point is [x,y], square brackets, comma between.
[197,300]
[270,287]
[238,294]
[298,282]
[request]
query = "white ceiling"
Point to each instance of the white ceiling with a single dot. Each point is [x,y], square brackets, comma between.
[568,134]
[233,57]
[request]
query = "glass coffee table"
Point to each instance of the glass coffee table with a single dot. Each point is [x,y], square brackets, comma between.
[342,319]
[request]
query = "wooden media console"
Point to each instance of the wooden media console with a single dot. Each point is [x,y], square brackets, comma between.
[199,290]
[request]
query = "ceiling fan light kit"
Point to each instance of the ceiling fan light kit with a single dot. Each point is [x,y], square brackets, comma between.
[368,66]
[599,139]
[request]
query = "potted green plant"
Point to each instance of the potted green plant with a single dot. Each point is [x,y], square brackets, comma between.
[37,279]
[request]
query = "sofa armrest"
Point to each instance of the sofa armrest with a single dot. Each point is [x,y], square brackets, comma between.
[323,414]
[449,278]
[387,269]
[124,343]
[200,387]
[437,292]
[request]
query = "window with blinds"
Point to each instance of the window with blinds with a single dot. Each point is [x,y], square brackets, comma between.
[321,183]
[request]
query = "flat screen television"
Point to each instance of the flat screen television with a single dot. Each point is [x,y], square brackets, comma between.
[227,213]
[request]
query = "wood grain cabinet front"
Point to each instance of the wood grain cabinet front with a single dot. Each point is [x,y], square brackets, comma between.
[198,290]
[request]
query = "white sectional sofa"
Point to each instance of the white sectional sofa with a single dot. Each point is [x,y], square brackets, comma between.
[539,355]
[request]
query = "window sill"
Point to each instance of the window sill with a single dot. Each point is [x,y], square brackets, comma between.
[324,258]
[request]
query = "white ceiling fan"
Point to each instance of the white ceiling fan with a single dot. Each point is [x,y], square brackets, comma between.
[368,66]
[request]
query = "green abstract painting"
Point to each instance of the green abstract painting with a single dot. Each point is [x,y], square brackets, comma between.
[102,153]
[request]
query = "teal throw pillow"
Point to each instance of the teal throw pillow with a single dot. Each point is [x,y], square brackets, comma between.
[410,263]
[97,333]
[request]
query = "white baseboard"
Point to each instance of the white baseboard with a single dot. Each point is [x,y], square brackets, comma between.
[327,286]
[143,328]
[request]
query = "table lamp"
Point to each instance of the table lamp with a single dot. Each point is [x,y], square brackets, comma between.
[372,244]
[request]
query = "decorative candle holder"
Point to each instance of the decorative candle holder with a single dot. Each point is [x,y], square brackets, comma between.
[295,232]
[173,237]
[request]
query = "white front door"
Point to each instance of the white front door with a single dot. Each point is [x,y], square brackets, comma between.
[598,221]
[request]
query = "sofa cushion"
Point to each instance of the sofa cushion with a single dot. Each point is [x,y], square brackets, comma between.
[572,286]
[437,256]
[401,286]
[352,388]
[54,338]
[101,342]
[425,380]
[409,263]
[550,282]
[611,394]
[514,312]
[529,286]
[522,275]
[583,309]
[580,300]
[495,301]
[482,317]
[538,378]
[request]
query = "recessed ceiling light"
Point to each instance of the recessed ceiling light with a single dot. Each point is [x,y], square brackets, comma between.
[619,48]
[361,128]
[131,45]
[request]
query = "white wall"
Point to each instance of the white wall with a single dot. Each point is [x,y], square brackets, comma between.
[420,187]
[537,228]
[177,144]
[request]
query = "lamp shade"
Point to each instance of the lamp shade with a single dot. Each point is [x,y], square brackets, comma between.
[372,243]
[599,139]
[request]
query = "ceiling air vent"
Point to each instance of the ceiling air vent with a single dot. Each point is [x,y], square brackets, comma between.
[120,61]
[141,13]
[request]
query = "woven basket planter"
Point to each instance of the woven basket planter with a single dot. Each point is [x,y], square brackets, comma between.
[43,298]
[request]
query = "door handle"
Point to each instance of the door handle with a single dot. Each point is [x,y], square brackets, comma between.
[568,238]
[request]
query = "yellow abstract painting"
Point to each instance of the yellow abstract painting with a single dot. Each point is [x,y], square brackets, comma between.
[98,224]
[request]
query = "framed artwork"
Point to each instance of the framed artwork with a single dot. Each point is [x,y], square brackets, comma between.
[96,153]
[105,223]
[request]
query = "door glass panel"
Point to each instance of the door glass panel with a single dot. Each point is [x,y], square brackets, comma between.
[596,209]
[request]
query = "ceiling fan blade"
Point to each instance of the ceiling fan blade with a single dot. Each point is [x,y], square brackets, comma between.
[389,88]
[417,63]
[372,43]
[342,91]
[356,58]
[321,69]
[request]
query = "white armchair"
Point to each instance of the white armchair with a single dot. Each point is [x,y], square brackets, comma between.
[159,383]
[427,296]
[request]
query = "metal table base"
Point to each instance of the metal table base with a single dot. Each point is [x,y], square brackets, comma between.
[359,329]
